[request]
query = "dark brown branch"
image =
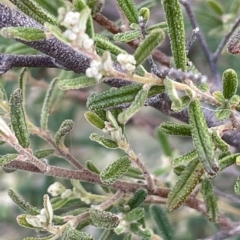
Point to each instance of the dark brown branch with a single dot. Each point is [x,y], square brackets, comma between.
[125,187]
[113,28]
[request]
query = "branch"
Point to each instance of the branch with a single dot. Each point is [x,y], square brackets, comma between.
[63,53]
[123,186]
[208,54]
[225,40]
[234,231]
[8,61]
[113,28]
[78,62]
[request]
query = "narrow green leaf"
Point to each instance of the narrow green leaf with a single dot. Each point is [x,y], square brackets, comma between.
[130,10]
[76,83]
[165,144]
[64,129]
[117,96]
[138,198]
[204,87]
[230,83]
[237,186]
[135,214]
[202,139]
[90,165]
[115,170]
[138,102]
[219,97]
[25,206]
[50,237]
[185,158]
[47,104]
[127,36]
[23,33]
[43,153]
[106,45]
[210,200]
[164,228]
[187,182]
[94,119]
[103,219]
[24,219]
[144,12]
[107,143]
[222,113]
[219,142]
[215,7]
[22,84]
[37,11]
[161,25]
[18,120]
[53,31]
[234,100]
[60,203]
[173,95]
[175,23]
[170,128]
[5,159]
[73,234]
[153,40]
[228,160]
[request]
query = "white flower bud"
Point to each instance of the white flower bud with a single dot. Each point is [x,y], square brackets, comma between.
[88,43]
[66,194]
[56,189]
[72,18]
[121,58]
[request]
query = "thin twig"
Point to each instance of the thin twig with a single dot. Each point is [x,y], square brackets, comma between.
[200,36]
[229,197]
[225,40]
[113,28]
[62,152]
[234,121]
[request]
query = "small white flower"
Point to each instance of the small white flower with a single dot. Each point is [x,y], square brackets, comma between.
[127,62]
[72,18]
[56,189]
[129,67]
[121,58]
[69,34]
[76,29]
[89,73]
[87,44]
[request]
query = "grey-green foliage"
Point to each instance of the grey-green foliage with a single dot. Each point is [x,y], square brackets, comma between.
[111,109]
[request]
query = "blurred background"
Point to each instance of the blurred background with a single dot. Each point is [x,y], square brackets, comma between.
[156,150]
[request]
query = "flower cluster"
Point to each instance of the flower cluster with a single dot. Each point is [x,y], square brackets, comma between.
[127,62]
[98,68]
[75,32]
